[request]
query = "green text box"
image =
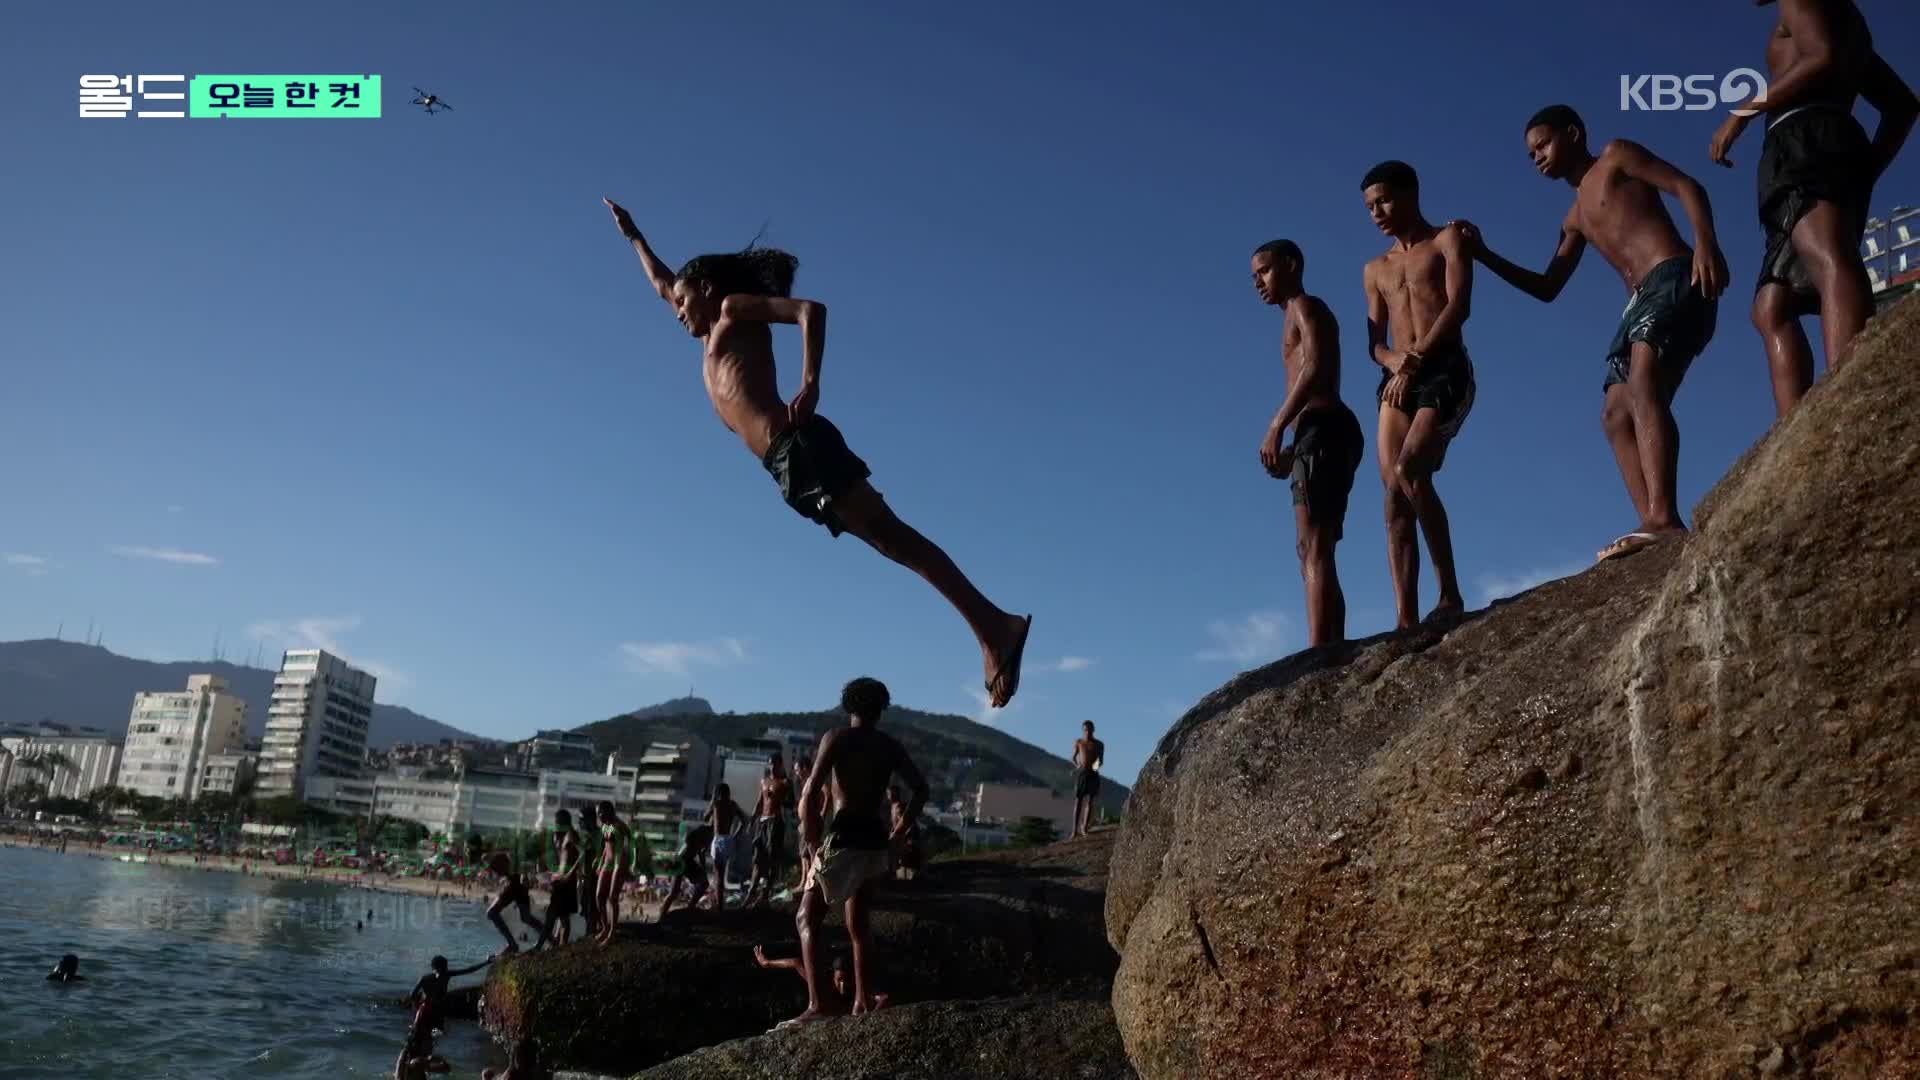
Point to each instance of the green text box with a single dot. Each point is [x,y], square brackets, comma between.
[243,96]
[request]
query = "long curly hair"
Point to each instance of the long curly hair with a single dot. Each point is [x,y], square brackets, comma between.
[756,270]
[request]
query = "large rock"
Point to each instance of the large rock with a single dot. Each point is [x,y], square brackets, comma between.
[1659,819]
[1007,923]
[1028,1038]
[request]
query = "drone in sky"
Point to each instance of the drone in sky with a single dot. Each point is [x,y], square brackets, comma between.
[431,101]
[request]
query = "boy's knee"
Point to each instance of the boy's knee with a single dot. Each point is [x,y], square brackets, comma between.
[1412,480]
[1615,417]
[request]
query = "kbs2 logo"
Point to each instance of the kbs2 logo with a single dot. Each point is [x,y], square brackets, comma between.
[1694,93]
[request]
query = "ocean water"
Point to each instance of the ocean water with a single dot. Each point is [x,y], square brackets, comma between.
[207,974]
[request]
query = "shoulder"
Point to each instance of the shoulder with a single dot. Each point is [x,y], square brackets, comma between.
[1309,307]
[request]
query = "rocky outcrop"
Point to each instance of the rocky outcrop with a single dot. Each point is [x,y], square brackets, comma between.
[1658,819]
[1030,1038]
[996,925]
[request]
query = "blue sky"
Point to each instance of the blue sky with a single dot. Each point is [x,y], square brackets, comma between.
[397,387]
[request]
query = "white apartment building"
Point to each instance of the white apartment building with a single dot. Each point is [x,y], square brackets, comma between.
[171,734]
[227,773]
[317,722]
[671,776]
[485,801]
[88,759]
[582,793]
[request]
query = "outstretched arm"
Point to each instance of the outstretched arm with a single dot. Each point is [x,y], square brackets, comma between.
[657,271]
[1544,287]
[469,970]
[760,958]
[1459,262]
[1893,99]
[1709,265]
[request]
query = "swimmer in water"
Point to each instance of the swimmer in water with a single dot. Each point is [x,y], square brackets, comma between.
[67,970]
[430,993]
[417,1058]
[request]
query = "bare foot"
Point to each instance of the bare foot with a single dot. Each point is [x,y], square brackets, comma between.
[1003,666]
[1449,607]
[810,1016]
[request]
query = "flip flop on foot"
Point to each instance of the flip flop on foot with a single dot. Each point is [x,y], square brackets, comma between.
[1006,681]
[1627,545]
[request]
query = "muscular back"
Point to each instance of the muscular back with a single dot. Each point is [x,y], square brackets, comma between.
[861,763]
[1624,218]
[1306,314]
[742,383]
[1852,47]
[1413,285]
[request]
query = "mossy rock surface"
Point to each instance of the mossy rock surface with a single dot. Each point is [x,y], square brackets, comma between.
[1024,1038]
[1004,924]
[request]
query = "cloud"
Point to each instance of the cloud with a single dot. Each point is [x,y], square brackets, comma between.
[31,565]
[1500,586]
[176,508]
[983,711]
[172,555]
[324,632]
[1257,638]
[681,657]
[1064,664]
[313,632]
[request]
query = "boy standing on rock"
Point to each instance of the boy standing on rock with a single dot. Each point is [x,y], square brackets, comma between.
[1674,305]
[856,762]
[1817,174]
[1420,290]
[1328,444]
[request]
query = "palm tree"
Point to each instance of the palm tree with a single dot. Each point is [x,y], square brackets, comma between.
[53,763]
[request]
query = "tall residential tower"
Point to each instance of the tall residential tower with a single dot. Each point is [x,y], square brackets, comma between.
[317,723]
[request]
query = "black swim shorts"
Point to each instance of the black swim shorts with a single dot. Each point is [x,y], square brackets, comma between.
[563,898]
[1443,383]
[1086,784]
[1669,312]
[1813,154]
[812,465]
[1328,447]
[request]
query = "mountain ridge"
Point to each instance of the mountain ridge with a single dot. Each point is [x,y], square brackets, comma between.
[81,685]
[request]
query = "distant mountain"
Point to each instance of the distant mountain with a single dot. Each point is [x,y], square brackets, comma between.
[685,706]
[87,686]
[954,752]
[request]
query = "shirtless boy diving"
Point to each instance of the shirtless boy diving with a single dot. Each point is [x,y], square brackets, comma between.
[729,302]
[1673,306]
[1817,173]
[1328,444]
[1420,291]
